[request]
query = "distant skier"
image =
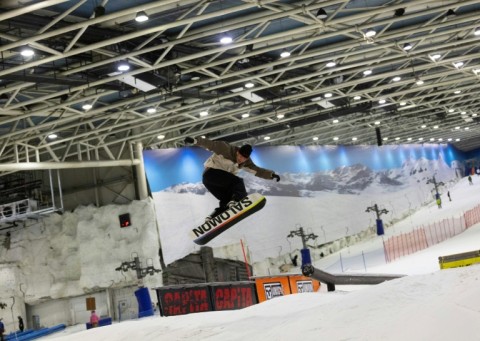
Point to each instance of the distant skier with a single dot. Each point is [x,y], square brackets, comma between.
[448,195]
[470,180]
[20,324]
[221,168]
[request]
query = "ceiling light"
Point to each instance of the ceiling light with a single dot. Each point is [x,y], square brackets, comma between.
[52,136]
[477,31]
[367,72]
[141,16]
[266,138]
[203,113]
[407,46]
[249,85]
[151,110]
[436,56]
[458,64]
[335,121]
[402,103]
[331,64]
[123,66]
[449,139]
[280,116]
[335,138]
[432,139]
[409,139]
[396,79]
[87,106]
[245,115]
[474,115]
[456,92]
[354,139]
[285,54]
[451,110]
[399,12]
[314,138]
[160,137]
[226,40]
[321,14]
[382,101]
[328,95]
[423,126]
[466,128]
[457,128]
[419,81]
[385,139]
[457,140]
[463,113]
[440,139]
[377,123]
[195,78]
[435,127]
[370,33]
[356,98]
[420,139]
[27,52]
[397,138]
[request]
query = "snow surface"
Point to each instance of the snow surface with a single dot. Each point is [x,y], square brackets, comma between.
[429,304]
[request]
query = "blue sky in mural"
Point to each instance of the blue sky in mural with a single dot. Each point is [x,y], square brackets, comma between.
[167,167]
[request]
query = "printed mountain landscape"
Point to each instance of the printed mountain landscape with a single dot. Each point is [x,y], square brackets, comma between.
[342,180]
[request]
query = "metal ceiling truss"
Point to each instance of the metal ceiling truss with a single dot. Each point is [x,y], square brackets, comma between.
[178,57]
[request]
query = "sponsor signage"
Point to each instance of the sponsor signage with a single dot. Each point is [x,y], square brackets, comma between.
[233,297]
[273,290]
[184,300]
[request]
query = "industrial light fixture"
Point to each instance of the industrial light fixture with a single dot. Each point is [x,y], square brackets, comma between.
[457,140]
[477,31]
[141,16]
[27,52]
[458,64]
[226,40]
[435,127]
[87,106]
[280,116]
[440,139]
[123,66]
[463,113]
[335,121]
[354,138]
[456,92]
[249,85]
[420,139]
[397,138]
[246,115]
[407,46]
[203,113]
[285,54]
[435,56]
[331,64]
[396,78]
[423,126]
[370,33]
[432,139]
[409,139]
[356,98]
[151,110]
[52,136]
[377,123]
[266,138]
[315,138]
[382,101]
[335,138]
[451,110]
[367,72]
[321,14]
[160,137]
[402,103]
[418,81]
[328,95]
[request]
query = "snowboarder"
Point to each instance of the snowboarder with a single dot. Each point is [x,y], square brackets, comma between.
[219,176]
[448,195]
[2,330]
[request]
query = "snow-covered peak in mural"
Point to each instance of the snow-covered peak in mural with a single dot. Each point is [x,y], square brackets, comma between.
[342,180]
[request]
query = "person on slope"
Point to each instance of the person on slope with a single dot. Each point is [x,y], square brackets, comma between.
[219,176]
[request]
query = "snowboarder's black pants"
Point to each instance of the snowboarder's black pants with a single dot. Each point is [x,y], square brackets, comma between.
[224,186]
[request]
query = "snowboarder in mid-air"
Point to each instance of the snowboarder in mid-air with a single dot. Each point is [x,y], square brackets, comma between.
[221,168]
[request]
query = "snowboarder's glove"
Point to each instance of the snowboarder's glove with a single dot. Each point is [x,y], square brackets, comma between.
[276,177]
[189,140]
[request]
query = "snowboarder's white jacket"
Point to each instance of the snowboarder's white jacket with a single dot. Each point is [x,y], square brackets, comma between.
[224,157]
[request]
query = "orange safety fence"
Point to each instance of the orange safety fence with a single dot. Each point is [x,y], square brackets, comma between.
[427,235]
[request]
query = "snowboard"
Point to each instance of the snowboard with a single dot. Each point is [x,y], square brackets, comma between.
[210,229]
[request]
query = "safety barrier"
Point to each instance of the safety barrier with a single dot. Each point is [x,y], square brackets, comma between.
[459,259]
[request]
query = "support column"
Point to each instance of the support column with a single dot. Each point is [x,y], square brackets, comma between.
[140,168]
